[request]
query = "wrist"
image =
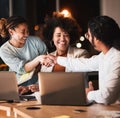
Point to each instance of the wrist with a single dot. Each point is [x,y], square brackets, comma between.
[55,61]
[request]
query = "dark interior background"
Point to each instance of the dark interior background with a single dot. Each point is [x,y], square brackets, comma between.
[36,10]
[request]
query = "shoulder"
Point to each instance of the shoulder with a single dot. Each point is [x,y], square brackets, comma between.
[6,49]
[53,53]
[36,43]
[5,46]
[79,52]
[34,40]
[79,49]
[115,54]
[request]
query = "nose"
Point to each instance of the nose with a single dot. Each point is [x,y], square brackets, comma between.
[63,37]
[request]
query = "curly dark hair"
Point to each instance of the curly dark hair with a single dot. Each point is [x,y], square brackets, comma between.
[68,24]
[106,30]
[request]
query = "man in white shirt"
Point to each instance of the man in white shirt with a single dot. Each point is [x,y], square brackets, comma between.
[104,34]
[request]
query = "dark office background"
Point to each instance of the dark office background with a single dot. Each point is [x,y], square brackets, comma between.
[36,10]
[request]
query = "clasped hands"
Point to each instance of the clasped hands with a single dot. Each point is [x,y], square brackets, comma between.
[48,60]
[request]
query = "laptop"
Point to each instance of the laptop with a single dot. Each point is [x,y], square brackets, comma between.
[8,87]
[62,88]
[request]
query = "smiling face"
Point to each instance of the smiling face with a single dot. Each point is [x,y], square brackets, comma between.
[61,40]
[19,34]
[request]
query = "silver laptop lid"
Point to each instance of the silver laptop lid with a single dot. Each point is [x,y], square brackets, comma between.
[8,86]
[62,88]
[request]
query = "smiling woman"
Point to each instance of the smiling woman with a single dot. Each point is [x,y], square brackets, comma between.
[22,53]
[63,32]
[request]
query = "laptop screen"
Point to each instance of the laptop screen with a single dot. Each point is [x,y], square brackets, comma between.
[62,88]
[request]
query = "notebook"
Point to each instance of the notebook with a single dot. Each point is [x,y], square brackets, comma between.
[8,86]
[62,88]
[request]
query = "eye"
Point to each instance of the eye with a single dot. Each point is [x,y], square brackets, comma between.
[66,35]
[24,32]
[58,35]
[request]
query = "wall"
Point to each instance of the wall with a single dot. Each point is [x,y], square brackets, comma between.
[4,8]
[111,8]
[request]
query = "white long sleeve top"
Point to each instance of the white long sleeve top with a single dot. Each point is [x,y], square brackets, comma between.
[108,66]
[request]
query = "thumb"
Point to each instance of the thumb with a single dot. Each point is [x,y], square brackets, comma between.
[91,85]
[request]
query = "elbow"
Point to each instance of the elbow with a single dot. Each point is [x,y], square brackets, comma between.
[107,101]
[102,99]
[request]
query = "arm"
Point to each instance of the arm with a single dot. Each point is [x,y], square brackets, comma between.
[37,46]
[79,64]
[42,59]
[109,84]
[24,59]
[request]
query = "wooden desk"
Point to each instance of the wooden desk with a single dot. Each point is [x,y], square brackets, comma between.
[3,114]
[6,109]
[47,111]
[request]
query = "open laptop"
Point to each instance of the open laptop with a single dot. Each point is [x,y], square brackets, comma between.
[8,87]
[62,88]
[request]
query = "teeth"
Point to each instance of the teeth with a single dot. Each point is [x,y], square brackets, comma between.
[62,42]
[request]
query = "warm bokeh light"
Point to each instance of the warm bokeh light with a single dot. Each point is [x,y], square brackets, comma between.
[82,38]
[66,13]
[36,27]
[78,45]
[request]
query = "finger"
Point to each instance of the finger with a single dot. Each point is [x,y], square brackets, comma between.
[20,88]
[51,57]
[34,88]
[23,90]
[48,63]
[91,85]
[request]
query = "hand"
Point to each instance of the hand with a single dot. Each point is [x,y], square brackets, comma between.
[34,87]
[90,87]
[53,58]
[45,60]
[23,89]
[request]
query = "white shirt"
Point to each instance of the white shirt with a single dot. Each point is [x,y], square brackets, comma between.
[108,66]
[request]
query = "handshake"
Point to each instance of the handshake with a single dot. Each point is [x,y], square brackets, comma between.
[48,60]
